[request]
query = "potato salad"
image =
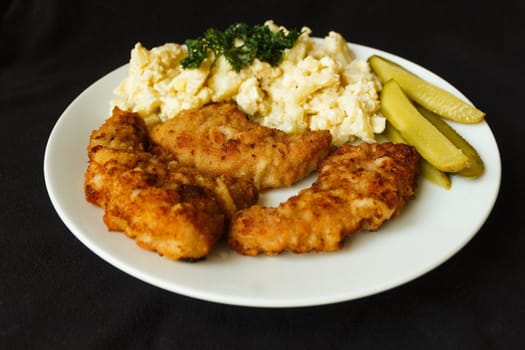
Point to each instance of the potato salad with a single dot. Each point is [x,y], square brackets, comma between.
[318,84]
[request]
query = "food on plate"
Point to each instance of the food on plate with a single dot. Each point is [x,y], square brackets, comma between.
[433,146]
[219,139]
[199,129]
[318,84]
[426,94]
[357,188]
[477,167]
[171,209]
[427,170]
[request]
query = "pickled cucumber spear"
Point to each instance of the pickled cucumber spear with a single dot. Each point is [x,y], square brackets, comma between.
[426,94]
[428,171]
[433,146]
[477,167]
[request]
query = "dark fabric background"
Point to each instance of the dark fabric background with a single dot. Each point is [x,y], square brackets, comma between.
[57,294]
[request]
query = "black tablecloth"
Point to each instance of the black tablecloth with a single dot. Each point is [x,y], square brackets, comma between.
[55,293]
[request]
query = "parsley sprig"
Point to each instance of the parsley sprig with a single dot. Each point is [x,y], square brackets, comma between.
[240,44]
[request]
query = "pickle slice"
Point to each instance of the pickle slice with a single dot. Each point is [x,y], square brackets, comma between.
[477,167]
[433,146]
[428,171]
[426,94]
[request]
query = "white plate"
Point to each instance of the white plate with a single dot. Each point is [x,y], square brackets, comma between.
[430,230]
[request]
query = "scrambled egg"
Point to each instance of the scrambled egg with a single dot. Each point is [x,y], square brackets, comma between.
[319,85]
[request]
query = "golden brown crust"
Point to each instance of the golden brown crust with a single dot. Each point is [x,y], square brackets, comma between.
[358,187]
[220,139]
[172,209]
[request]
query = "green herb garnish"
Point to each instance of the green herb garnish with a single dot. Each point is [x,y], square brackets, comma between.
[240,44]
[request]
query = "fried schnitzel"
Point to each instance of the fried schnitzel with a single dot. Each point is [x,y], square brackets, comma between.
[219,139]
[358,187]
[172,209]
